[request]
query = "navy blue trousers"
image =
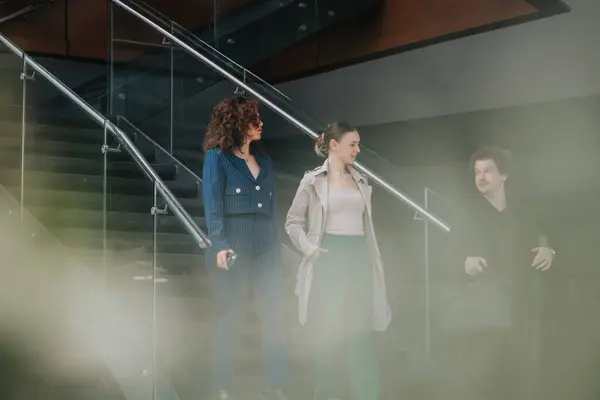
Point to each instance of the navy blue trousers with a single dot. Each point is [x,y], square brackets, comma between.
[262,270]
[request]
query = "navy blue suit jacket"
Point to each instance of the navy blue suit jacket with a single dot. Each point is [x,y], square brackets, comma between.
[240,210]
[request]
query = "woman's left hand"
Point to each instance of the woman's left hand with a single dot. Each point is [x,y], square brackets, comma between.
[543,258]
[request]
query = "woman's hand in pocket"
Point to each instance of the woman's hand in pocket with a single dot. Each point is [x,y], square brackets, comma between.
[313,258]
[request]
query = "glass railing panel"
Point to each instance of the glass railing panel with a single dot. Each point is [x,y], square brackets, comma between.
[107,211]
[191,117]
[185,298]
[199,86]
[63,170]
[424,277]
[41,100]
[188,175]
[442,269]
[141,74]
[241,32]
[186,307]
[223,52]
[104,201]
[181,78]
[162,68]
[65,190]
[11,106]
[192,77]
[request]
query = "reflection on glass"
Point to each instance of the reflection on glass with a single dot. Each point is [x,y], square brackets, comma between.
[141,75]
[183,292]
[64,181]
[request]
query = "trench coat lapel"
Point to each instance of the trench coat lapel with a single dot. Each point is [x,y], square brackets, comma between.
[321,185]
[365,190]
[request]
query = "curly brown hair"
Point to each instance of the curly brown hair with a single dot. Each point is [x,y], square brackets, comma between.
[229,123]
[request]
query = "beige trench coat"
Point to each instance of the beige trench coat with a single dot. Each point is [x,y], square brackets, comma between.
[305,225]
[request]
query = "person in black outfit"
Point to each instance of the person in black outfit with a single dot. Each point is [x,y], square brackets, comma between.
[505,254]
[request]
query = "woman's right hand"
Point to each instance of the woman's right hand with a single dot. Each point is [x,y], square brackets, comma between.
[222,259]
[316,254]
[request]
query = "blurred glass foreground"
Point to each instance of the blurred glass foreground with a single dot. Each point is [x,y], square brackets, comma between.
[49,315]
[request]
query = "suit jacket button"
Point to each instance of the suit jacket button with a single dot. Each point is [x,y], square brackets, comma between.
[257,187]
[259,205]
[238,190]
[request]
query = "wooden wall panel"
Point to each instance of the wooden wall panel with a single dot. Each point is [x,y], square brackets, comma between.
[394,24]
[40,30]
[82,31]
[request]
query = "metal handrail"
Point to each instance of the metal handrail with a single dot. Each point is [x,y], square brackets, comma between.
[190,225]
[396,193]
[159,147]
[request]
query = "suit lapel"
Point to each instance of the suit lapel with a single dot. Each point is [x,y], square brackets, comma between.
[321,185]
[262,160]
[241,166]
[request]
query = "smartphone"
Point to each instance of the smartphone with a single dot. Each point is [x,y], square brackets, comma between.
[231,257]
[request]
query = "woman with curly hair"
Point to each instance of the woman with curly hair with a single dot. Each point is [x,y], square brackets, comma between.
[240,210]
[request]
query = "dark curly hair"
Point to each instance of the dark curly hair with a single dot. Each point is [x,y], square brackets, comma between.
[229,123]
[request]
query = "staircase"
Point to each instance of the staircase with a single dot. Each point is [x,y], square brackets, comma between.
[64,191]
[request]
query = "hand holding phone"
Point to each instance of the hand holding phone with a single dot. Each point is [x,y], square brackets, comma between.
[231,257]
[226,258]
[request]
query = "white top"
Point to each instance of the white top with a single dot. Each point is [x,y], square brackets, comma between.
[345,212]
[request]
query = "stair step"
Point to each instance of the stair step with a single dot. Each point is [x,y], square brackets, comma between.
[116,221]
[90,183]
[122,169]
[94,201]
[66,149]
[55,133]
[124,266]
[167,243]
